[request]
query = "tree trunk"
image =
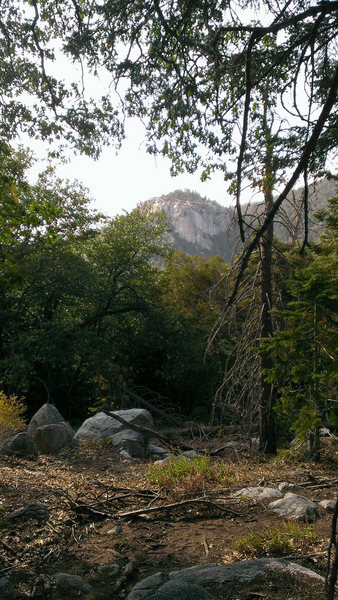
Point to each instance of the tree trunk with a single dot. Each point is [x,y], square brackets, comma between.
[267,434]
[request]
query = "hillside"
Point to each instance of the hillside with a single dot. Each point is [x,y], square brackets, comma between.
[202,226]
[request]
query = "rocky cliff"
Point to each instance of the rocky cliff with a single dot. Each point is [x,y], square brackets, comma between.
[202,226]
[198,225]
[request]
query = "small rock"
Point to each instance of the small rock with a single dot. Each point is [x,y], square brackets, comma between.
[71,582]
[4,581]
[129,568]
[124,454]
[152,449]
[259,493]
[285,486]
[165,460]
[328,505]
[109,570]
[115,531]
[295,507]
[114,571]
[31,511]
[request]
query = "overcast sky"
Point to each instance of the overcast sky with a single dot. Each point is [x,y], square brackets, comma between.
[119,181]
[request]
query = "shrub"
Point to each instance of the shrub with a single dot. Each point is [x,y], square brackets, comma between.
[277,541]
[12,410]
[182,475]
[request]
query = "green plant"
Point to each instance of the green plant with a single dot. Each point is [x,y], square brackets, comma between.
[277,541]
[11,414]
[184,475]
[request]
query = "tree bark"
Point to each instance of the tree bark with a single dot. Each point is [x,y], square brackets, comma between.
[267,435]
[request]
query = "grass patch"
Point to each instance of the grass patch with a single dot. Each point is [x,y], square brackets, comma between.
[279,541]
[182,475]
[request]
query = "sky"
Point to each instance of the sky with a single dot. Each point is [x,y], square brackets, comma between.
[118,181]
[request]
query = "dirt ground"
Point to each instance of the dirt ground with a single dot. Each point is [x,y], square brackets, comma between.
[87,490]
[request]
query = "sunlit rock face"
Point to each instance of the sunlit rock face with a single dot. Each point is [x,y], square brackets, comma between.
[198,225]
[201,226]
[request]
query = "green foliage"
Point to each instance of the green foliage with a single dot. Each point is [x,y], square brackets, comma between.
[12,410]
[182,474]
[75,290]
[278,541]
[304,349]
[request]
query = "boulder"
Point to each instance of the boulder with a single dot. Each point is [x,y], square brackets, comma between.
[51,438]
[48,414]
[71,583]
[21,444]
[259,493]
[156,452]
[135,416]
[39,512]
[130,441]
[98,427]
[187,591]
[238,573]
[293,506]
[146,587]
[328,505]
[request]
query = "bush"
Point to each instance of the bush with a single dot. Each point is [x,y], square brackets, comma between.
[277,541]
[12,410]
[181,475]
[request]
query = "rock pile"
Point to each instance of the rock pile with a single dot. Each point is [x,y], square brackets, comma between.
[48,432]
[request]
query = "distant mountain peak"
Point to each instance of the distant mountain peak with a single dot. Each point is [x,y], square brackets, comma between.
[202,226]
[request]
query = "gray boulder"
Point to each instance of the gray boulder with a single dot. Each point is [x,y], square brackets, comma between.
[48,414]
[70,583]
[186,591]
[295,507]
[156,452]
[98,427]
[51,438]
[135,416]
[21,444]
[238,573]
[146,587]
[130,441]
[259,493]
[328,505]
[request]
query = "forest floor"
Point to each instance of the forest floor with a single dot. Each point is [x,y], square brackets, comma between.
[89,530]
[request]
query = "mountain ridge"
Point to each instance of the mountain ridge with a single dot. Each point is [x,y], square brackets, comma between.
[203,226]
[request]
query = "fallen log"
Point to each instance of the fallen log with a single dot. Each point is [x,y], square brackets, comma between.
[150,433]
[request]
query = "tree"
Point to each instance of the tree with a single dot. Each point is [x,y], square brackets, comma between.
[68,281]
[196,73]
[304,348]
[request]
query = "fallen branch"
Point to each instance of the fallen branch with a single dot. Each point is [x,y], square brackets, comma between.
[8,547]
[150,433]
[202,500]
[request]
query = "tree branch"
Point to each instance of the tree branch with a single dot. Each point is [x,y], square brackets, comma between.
[308,150]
